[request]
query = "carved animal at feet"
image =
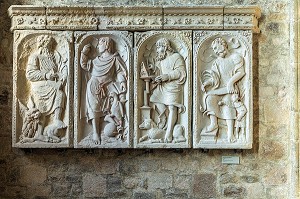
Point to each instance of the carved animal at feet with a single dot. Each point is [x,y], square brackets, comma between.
[178,134]
[154,134]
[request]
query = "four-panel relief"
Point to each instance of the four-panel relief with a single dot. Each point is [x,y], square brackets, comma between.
[120,89]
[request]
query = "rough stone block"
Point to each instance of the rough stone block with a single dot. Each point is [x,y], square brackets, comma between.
[94,185]
[33,175]
[234,191]
[159,181]
[204,186]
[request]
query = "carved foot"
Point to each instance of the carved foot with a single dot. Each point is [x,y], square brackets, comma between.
[211,128]
[168,139]
[96,139]
[231,139]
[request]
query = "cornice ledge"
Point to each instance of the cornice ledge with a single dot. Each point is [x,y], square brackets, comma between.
[134,18]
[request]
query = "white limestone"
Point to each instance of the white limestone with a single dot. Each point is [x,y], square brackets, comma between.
[103,100]
[163,89]
[42,89]
[222,89]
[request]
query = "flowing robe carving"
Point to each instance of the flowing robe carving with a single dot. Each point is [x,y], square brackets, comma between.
[170,92]
[224,69]
[47,95]
[103,75]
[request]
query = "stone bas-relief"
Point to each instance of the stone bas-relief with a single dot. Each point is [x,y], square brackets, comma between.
[102,91]
[163,84]
[223,89]
[42,91]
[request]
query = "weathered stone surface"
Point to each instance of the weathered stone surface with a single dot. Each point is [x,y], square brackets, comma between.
[33,175]
[159,181]
[204,186]
[141,195]
[234,191]
[94,185]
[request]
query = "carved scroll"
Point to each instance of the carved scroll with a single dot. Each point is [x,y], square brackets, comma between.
[42,89]
[222,89]
[102,93]
[162,89]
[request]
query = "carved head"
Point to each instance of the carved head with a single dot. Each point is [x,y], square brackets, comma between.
[105,44]
[162,47]
[220,47]
[45,41]
[147,124]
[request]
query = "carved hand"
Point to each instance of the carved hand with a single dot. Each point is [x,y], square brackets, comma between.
[86,49]
[239,118]
[123,86]
[51,76]
[162,78]
[230,88]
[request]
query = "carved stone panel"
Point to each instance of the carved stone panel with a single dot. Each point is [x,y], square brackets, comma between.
[162,94]
[42,77]
[103,95]
[222,89]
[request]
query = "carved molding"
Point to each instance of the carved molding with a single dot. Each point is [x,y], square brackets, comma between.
[134,18]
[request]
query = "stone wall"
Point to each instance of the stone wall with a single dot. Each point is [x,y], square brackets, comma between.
[266,171]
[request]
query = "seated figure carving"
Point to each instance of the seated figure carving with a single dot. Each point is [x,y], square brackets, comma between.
[220,87]
[47,73]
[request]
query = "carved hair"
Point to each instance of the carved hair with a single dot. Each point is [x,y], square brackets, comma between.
[219,41]
[44,40]
[166,43]
[109,43]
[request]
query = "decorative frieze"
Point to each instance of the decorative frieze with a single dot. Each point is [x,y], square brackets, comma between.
[71,18]
[149,77]
[193,18]
[135,18]
[27,17]
[241,18]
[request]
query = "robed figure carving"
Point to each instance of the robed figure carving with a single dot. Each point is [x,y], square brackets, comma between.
[105,90]
[47,72]
[220,87]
